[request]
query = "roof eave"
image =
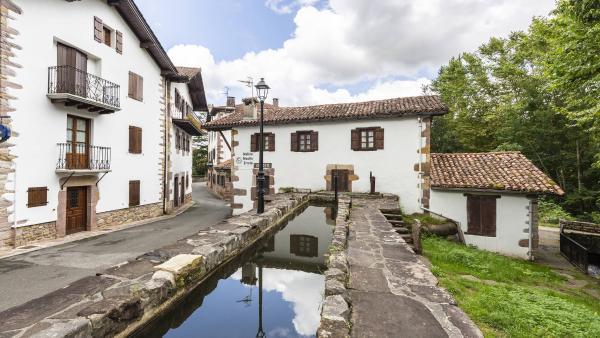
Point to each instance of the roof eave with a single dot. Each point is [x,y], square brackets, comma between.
[497,191]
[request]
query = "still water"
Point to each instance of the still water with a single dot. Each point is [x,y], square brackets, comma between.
[232,303]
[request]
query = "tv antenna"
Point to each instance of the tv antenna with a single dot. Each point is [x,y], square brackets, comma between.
[226,92]
[249,82]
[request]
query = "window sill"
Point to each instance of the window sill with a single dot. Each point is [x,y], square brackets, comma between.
[480,235]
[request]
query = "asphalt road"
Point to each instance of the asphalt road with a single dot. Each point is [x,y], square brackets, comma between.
[34,274]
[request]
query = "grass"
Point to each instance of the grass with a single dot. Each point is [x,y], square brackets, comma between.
[425,219]
[511,297]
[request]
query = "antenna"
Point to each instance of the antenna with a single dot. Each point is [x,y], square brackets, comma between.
[226,92]
[249,82]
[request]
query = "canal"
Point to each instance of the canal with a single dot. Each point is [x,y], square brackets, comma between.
[273,289]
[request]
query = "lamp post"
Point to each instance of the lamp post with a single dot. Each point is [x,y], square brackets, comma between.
[262,89]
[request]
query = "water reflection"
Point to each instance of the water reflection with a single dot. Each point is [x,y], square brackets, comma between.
[273,290]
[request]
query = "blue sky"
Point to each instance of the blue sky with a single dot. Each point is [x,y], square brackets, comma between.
[326,51]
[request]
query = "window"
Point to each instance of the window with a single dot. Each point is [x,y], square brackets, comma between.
[119,44]
[305,141]
[481,215]
[37,197]
[135,140]
[107,36]
[304,245]
[367,138]
[98,29]
[136,86]
[134,193]
[269,142]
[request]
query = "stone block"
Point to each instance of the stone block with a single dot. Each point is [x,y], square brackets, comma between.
[185,267]
[336,274]
[75,328]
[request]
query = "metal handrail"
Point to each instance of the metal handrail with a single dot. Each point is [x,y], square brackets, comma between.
[81,156]
[70,80]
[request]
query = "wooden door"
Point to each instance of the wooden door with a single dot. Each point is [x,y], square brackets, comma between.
[182,192]
[176,192]
[76,209]
[343,181]
[78,143]
[72,71]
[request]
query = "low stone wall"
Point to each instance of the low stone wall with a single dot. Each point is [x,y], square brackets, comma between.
[123,298]
[580,226]
[129,215]
[34,233]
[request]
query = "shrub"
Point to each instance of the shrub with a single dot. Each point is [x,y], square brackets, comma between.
[551,212]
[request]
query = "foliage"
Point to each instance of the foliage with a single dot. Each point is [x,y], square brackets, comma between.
[200,155]
[511,297]
[424,218]
[535,92]
[550,212]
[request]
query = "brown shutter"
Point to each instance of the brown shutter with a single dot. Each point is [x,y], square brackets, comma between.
[140,88]
[131,139]
[134,193]
[473,215]
[139,140]
[271,142]
[355,139]
[98,29]
[379,138]
[132,81]
[119,44]
[488,215]
[135,140]
[314,140]
[37,196]
[254,142]
[294,142]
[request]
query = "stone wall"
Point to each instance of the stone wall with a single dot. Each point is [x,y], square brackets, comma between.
[34,233]
[187,198]
[128,215]
[580,226]
[8,12]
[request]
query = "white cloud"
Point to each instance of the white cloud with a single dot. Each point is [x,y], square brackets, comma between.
[349,42]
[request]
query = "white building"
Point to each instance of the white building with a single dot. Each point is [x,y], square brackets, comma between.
[493,198]
[304,146]
[102,119]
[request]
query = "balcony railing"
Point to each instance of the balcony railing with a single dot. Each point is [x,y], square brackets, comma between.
[81,156]
[86,89]
[189,121]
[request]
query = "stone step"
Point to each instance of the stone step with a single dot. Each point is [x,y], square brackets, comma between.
[397,223]
[391,211]
[407,238]
[402,231]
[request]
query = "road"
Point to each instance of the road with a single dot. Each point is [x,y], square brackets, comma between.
[34,274]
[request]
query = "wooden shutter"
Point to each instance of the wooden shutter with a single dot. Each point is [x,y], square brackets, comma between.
[473,215]
[37,196]
[488,215]
[119,43]
[134,193]
[132,85]
[355,139]
[135,140]
[140,88]
[98,29]
[136,86]
[314,140]
[294,142]
[254,142]
[271,137]
[379,138]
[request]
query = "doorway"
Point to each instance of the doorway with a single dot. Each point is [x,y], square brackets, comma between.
[76,215]
[343,179]
[176,192]
[78,142]
[72,70]
[182,192]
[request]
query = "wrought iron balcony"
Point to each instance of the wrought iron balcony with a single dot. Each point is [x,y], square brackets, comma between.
[187,121]
[74,87]
[82,157]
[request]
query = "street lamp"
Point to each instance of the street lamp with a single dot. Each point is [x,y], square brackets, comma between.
[262,89]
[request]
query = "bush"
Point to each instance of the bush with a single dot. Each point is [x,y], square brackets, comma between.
[551,212]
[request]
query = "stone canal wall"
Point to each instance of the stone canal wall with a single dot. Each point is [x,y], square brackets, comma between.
[124,297]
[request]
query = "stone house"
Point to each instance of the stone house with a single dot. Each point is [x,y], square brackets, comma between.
[387,140]
[101,118]
[493,197]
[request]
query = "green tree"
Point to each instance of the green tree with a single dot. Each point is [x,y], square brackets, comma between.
[200,155]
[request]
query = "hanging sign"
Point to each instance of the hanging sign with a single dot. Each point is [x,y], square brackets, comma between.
[245,161]
[5,133]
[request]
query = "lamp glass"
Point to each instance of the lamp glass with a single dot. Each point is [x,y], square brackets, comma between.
[262,89]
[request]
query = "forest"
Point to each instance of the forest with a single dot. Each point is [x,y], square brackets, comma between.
[537,92]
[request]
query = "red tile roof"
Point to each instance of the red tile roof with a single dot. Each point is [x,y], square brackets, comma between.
[390,108]
[224,165]
[503,171]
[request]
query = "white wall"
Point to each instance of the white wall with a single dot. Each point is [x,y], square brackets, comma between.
[392,166]
[41,124]
[512,217]
[181,161]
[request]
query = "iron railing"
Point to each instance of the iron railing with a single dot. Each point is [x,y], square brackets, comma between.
[574,252]
[81,156]
[70,80]
[178,114]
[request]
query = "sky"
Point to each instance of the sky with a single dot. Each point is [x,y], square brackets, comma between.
[328,51]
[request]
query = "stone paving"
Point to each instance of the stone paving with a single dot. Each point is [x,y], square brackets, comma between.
[121,298]
[389,291]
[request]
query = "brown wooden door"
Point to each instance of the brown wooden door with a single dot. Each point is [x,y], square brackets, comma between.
[76,209]
[78,143]
[176,192]
[182,192]
[72,71]
[343,180]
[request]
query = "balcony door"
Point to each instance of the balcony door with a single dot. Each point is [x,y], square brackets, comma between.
[78,143]
[71,71]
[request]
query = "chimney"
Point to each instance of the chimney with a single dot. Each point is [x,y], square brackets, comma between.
[250,108]
[230,101]
[275,102]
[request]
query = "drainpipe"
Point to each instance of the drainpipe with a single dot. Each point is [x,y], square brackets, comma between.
[165,143]
[15,205]
[420,158]
[530,252]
